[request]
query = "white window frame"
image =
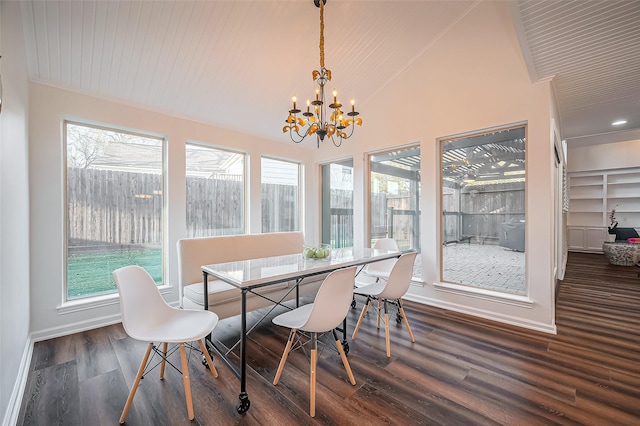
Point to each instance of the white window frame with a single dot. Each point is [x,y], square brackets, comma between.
[99,300]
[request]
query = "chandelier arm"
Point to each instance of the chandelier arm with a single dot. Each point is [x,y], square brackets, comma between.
[302,137]
[337,145]
[353,128]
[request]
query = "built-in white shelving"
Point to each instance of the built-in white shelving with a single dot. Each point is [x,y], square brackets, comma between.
[592,196]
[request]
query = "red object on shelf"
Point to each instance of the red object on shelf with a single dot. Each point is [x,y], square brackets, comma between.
[633,240]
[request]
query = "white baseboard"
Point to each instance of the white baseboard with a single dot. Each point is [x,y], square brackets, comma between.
[13,408]
[80,326]
[77,327]
[465,309]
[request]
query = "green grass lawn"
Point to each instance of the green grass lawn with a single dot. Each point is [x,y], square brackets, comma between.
[91,273]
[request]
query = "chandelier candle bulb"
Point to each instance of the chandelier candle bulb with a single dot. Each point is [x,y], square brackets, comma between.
[353,105]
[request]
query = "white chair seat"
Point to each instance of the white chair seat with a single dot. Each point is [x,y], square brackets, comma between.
[295,318]
[371,289]
[181,326]
[363,279]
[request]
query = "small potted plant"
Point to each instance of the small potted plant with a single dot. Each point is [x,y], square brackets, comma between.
[613,224]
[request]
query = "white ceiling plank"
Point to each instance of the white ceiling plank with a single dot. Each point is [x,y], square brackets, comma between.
[41,39]
[108,47]
[76,23]
[87,48]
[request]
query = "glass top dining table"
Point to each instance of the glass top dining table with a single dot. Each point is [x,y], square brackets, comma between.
[255,273]
[251,274]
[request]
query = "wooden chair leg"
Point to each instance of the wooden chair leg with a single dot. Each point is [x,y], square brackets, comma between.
[187,382]
[364,311]
[406,321]
[312,379]
[143,364]
[207,358]
[345,362]
[386,329]
[379,310]
[285,354]
[164,359]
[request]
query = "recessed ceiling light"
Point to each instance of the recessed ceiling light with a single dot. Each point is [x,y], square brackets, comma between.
[619,122]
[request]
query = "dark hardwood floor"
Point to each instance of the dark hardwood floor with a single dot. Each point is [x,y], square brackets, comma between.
[461,371]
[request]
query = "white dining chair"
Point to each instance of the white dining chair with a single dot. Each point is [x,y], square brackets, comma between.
[377,271]
[388,292]
[147,317]
[327,312]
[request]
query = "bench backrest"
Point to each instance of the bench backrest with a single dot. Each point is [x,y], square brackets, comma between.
[195,252]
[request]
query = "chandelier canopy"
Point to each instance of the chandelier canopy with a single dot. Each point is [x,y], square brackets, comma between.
[317,120]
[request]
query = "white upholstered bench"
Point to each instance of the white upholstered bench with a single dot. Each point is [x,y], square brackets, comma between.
[224,299]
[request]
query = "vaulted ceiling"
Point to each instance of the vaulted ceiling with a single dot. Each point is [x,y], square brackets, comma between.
[236,64]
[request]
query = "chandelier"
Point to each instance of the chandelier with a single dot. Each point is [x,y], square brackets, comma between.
[316,119]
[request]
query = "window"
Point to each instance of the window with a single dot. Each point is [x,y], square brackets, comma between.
[483,210]
[280,195]
[394,198]
[215,191]
[114,206]
[337,204]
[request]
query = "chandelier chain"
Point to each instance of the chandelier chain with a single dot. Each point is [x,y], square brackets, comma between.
[322,33]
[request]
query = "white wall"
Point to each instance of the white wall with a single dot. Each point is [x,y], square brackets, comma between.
[605,156]
[474,78]
[14,214]
[49,107]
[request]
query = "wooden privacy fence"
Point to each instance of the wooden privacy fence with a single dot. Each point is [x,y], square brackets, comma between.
[214,207]
[113,207]
[108,208]
[479,211]
[279,208]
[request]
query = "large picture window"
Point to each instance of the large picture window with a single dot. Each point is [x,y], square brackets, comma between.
[483,210]
[114,206]
[215,191]
[280,195]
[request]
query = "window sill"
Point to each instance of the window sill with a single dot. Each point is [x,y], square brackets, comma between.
[88,303]
[485,294]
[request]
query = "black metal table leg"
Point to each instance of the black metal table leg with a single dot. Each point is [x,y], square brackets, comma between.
[345,344]
[205,295]
[243,397]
